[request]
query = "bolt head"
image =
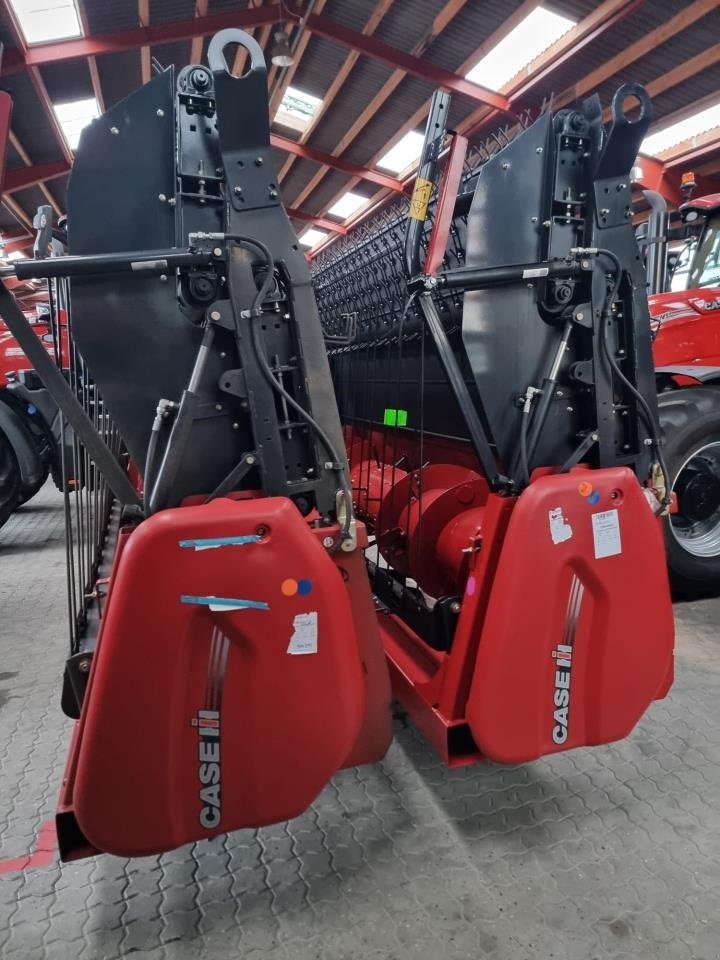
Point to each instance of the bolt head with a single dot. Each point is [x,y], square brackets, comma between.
[162,198]
[160,113]
[218,406]
[236,426]
[215,315]
[84,666]
[328,542]
[217,252]
[258,161]
[237,191]
[114,131]
[163,278]
[580,315]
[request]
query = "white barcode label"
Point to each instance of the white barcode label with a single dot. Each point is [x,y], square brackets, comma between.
[606,534]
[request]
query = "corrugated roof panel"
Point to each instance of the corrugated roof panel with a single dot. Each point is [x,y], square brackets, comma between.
[8,221]
[403,26]
[334,183]
[119,75]
[169,54]
[30,199]
[614,41]
[352,15]
[58,188]
[300,175]
[103,17]
[410,95]
[163,11]
[67,81]
[319,66]
[29,120]
[367,79]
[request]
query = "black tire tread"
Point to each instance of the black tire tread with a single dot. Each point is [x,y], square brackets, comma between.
[684,412]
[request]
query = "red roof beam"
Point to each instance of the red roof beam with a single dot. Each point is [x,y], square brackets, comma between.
[20,178]
[394,57]
[297,214]
[119,40]
[337,163]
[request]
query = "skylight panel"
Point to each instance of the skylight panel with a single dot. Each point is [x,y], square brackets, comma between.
[297,109]
[681,131]
[538,31]
[74,117]
[347,205]
[405,152]
[44,20]
[312,237]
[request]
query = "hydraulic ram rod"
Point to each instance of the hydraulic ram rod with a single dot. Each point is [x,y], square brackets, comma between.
[156,261]
[63,395]
[476,278]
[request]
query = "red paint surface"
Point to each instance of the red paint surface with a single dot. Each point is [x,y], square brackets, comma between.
[42,856]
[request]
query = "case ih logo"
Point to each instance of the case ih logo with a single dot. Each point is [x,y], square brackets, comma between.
[562,654]
[207,723]
[561,698]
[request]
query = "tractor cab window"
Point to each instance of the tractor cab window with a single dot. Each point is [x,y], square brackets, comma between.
[679,263]
[706,267]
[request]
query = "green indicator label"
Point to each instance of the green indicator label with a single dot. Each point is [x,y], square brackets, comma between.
[395,418]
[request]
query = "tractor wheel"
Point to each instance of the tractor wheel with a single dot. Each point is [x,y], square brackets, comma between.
[9,480]
[28,490]
[690,422]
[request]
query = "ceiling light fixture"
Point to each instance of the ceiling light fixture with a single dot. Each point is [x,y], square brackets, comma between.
[280,52]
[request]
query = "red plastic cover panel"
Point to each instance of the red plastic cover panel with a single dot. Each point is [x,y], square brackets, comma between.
[228,683]
[578,637]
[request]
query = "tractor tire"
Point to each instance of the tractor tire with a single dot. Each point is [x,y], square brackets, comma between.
[10,483]
[690,423]
[28,490]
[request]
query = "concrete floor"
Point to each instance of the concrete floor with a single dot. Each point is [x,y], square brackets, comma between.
[609,853]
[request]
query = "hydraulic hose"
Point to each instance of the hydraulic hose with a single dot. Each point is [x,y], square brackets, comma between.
[651,423]
[255,315]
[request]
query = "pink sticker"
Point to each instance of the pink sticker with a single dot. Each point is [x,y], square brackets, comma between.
[470,586]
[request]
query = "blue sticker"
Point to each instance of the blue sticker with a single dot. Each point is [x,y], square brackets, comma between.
[594,497]
[304,587]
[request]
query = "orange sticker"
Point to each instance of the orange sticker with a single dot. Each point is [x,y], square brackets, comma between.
[585,488]
[289,587]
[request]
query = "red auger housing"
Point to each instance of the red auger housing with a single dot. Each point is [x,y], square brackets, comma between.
[459,496]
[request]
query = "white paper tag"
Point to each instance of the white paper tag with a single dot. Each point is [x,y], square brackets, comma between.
[304,638]
[560,529]
[606,534]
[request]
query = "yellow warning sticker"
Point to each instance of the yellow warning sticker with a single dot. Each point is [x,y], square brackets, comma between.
[420,199]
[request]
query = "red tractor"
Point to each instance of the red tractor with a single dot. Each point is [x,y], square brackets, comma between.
[30,425]
[686,350]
